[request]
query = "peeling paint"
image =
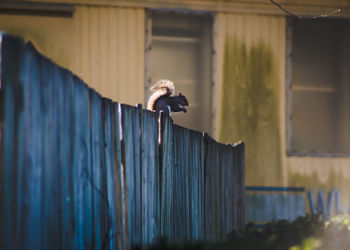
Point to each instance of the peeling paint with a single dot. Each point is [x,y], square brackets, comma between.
[326,175]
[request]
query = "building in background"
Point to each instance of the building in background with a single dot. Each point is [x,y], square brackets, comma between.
[250,72]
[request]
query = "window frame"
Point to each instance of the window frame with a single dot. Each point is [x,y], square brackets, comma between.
[289,70]
[148,46]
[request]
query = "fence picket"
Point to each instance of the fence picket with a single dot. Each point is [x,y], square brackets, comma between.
[167,178]
[131,140]
[82,190]
[150,177]
[110,237]
[50,158]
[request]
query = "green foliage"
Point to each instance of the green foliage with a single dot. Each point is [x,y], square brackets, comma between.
[308,244]
[282,234]
[305,233]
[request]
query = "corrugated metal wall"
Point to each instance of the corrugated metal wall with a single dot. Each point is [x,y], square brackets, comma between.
[111,51]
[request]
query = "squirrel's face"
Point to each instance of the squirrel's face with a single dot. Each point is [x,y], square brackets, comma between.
[183,99]
[182,102]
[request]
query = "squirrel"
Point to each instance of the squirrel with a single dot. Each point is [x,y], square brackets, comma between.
[162,99]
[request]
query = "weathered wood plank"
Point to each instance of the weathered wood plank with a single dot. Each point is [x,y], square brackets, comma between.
[241,204]
[210,163]
[51,231]
[120,188]
[196,179]
[11,105]
[150,177]
[65,159]
[167,178]
[82,190]
[131,128]
[108,240]
[97,164]
[180,186]
[29,191]
[227,187]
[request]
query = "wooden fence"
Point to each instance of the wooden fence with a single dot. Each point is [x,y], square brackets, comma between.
[79,171]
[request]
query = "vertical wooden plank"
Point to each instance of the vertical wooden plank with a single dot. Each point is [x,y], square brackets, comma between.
[65,155]
[105,206]
[202,190]
[167,178]
[215,175]
[223,164]
[235,197]
[220,189]
[236,185]
[29,192]
[229,191]
[207,201]
[99,198]
[51,231]
[110,239]
[227,188]
[212,190]
[11,104]
[132,171]
[179,186]
[82,190]
[122,222]
[241,187]
[150,178]
[186,195]
[188,183]
[198,187]
[195,167]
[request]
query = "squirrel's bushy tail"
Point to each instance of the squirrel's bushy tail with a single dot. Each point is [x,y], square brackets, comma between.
[160,88]
[164,84]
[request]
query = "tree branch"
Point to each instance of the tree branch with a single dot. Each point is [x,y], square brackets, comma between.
[303,17]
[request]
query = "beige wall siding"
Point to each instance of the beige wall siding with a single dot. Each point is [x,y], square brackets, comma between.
[105,46]
[110,47]
[249,30]
[250,66]
[251,106]
[52,36]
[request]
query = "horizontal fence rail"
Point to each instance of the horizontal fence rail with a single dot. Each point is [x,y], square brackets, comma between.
[79,171]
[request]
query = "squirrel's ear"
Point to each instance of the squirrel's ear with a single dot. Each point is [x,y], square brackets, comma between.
[180,94]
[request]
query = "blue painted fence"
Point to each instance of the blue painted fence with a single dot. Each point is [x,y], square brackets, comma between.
[79,171]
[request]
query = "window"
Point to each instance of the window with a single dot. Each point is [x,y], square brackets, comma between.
[180,50]
[318,87]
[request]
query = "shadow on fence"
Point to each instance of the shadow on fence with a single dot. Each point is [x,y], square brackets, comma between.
[80,171]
